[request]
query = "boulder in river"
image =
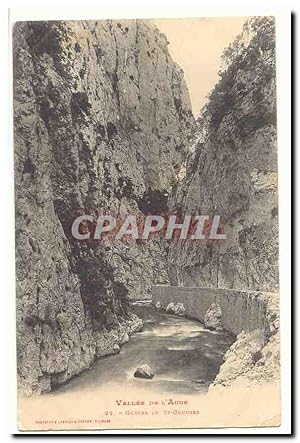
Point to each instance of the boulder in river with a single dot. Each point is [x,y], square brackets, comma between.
[170,308]
[116,348]
[175,308]
[125,338]
[179,309]
[144,371]
[213,317]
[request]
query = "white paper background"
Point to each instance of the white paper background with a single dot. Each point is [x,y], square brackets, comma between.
[133,9]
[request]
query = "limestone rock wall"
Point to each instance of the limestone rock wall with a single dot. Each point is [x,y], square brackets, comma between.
[231,171]
[102,122]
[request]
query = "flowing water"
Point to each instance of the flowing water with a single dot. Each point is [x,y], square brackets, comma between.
[184,356]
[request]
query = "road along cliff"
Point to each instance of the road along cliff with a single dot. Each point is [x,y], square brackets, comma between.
[231,170]
[103,125]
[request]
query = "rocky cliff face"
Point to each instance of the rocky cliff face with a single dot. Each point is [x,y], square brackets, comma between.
[102,122]
[232,171]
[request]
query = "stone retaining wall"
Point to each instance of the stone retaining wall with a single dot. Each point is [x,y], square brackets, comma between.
[241,310]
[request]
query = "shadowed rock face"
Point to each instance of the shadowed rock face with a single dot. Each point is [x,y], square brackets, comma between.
[102,122]
[232,172]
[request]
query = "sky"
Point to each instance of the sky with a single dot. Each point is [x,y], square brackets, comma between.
[196,44]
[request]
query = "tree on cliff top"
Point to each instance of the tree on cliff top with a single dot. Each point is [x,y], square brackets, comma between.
[253,51]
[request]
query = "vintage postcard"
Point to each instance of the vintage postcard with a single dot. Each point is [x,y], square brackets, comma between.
[146,223]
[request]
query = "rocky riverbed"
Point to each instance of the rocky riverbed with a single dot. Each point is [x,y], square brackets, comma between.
[184,356]
[185,359]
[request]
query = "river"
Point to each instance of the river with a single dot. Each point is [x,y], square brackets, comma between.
[184,356]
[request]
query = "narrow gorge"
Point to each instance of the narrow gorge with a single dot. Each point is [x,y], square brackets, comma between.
[103,123]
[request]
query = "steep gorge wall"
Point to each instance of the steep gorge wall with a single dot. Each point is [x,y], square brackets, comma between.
[232,172]
[102,122]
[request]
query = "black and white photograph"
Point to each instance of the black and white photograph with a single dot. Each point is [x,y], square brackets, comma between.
[147,243]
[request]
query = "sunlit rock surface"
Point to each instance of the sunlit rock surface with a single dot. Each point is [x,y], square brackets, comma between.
[232,171]
[102,122]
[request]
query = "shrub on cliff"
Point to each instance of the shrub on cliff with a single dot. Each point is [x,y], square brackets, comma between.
[248,61]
